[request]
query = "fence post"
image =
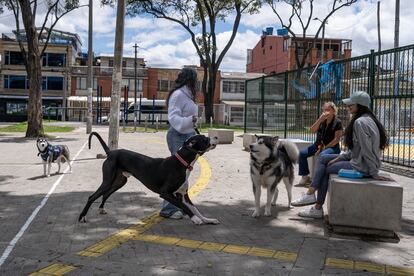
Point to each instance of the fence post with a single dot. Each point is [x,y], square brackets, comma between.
[371,77]
[245,106]
[318,90]
[262,92]
[286,102]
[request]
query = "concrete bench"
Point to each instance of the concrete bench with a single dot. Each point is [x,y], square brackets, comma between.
[250,138]
[224,136]
[365,203]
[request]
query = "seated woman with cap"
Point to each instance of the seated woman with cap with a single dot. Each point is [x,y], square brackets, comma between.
[364,137]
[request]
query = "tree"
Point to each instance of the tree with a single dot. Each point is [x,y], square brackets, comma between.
[33,42]
[196,15]
[117,76]
[302,12]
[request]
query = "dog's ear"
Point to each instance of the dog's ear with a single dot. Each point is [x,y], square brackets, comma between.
[275,139]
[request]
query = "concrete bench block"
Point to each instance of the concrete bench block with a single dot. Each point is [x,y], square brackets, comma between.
[224,136]
[365,203]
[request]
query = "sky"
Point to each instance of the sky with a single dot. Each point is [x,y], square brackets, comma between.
[165,44]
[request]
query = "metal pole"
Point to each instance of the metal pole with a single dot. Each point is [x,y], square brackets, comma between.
[135,86]
[397,24]
[379,26]
[323,42]
[90,78]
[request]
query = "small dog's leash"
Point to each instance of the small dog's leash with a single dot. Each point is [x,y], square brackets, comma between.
[196,130]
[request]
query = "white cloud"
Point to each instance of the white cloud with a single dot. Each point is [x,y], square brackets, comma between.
[167,44]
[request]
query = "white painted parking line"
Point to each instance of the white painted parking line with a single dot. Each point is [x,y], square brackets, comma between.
[11,245]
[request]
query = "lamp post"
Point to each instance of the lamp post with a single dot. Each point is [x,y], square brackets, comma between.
[89,78]
[323,37]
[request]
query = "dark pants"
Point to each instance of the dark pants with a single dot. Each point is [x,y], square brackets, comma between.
[320,180]
[310,151]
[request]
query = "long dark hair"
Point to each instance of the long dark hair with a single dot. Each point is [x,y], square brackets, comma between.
[187,76]
[350,128]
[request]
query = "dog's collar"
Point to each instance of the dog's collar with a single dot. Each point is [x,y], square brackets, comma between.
[182,161]
[43,152]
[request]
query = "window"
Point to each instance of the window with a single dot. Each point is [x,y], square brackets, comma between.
[163,85]
[13,58]
[16,108]
[81,83]
[54,83]
[15,82]
[54,60]
[124,63]
[131,84]
[236,114]
[233,87]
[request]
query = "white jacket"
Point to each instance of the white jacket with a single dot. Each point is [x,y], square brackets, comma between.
[181,110]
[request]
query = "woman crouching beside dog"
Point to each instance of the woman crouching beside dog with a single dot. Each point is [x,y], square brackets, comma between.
[182,116]
[364,137]
[329,132]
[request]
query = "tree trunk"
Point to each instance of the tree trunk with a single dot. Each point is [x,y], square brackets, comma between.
[209,96]
[117,77]
[34,74]
[34,109]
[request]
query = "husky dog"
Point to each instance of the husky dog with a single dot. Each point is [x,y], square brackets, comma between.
[270,161]
[50,154]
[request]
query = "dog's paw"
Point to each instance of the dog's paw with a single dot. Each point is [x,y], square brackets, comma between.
[290,207]
[256,214]
[267,213]
[82,219]
[102,211]
[196,220]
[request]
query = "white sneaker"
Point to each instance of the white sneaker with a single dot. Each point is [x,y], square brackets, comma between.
[305,180]
[312,212]
[304,200]
[177,215]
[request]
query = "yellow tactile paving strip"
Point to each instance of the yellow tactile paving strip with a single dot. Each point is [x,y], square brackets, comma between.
[218,247]
[368,266]
[55,270]
[117,239]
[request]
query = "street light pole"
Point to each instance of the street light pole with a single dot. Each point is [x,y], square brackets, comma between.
[90,78]
[135,86]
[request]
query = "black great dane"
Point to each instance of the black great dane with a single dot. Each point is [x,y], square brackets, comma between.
[167,177]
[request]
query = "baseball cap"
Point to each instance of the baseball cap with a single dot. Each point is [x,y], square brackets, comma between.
[358,97]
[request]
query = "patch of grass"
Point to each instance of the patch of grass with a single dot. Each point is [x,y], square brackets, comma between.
[203,128]
[22,127]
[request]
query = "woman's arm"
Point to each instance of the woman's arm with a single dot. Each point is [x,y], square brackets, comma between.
[175,118]
[364,138]
[314,128]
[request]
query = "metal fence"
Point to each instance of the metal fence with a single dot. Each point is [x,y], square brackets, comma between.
[287,104]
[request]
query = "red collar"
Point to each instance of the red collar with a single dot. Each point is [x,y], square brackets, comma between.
[182,161]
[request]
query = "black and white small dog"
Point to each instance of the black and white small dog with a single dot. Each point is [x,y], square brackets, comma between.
[270,161]
[50,154]
[167,177]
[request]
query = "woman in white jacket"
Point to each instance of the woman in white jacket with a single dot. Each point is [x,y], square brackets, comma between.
[182,116]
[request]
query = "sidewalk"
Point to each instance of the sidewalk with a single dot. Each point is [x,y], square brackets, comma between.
[130,240]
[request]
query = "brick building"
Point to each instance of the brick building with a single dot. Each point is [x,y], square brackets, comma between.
[275,54]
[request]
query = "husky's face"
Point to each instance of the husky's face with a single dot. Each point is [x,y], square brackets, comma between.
[201,143]
[41,144]
[264,147]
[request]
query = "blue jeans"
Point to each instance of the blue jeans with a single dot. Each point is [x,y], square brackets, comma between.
[310,151]
[175,141]
[320,180]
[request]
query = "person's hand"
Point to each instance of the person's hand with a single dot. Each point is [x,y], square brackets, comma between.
[333,161]
[318,152]
[383,178]
[324,116]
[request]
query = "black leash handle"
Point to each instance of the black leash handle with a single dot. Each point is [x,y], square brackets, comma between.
[196,130]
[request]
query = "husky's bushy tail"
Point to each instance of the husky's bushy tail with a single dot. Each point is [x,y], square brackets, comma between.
[104,145]
[291,150]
